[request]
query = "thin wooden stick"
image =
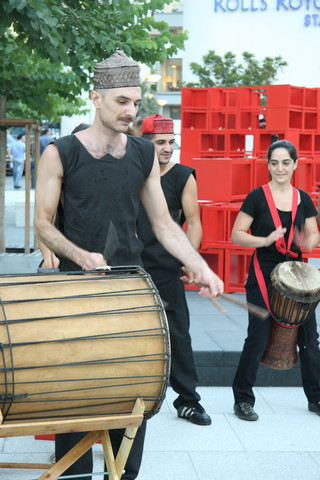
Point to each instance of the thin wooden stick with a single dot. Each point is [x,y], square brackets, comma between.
[254,309]
[218,306]
[250,307]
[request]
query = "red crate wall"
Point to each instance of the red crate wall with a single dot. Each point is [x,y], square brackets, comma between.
[220,129]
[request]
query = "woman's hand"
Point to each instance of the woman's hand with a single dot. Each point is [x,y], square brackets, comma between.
[274,236]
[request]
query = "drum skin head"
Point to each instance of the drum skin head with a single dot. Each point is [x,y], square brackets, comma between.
[297,279]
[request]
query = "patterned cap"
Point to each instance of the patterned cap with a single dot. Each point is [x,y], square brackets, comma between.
[157,124]
[116,71]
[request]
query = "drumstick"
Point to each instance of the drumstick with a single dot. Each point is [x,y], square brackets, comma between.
[218,306]
[254,309]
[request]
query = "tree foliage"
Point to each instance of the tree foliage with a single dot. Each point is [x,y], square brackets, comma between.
[49,47]
[217,71]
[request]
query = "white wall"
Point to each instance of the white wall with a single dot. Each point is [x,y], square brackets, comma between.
[69,123]
[270,30]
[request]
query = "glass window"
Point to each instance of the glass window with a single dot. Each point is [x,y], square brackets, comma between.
[175,112]
[171,75]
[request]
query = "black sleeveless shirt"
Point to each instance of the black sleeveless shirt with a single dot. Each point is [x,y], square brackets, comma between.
[155,257]
[97,191]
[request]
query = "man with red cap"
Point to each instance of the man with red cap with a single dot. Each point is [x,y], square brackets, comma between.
[180,190]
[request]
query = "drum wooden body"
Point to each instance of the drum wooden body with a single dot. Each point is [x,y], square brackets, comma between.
[81,345]
[293,296]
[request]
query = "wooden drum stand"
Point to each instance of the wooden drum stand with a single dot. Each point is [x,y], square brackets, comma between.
[81,353]
[98,429]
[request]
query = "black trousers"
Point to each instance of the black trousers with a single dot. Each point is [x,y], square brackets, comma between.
[65,441]
[183,375]
[256,343]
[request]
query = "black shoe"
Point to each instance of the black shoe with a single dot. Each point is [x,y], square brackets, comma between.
[17,186]
[245,411]
[195,413]
[314,407]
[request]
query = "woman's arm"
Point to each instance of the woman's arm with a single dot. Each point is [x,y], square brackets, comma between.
[240,233]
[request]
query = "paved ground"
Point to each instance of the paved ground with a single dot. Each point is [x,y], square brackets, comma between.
[284,443]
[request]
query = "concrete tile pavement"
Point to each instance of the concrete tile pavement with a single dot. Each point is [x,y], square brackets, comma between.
[283,443]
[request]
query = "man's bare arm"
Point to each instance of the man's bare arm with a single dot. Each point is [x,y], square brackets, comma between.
[172,237]
[48,192]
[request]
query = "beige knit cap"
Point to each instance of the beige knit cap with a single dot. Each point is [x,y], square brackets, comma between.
[116,71]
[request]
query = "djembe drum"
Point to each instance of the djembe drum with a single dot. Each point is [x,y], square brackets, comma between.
[293,296]
[81,345]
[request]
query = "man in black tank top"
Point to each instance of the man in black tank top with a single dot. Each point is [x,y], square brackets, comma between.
[100,174]
[180,190]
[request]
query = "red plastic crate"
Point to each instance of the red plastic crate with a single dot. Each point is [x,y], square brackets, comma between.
[215,259]
[285,96]
[260,172]
[226,119]
[214,224]
[236,267]
[249,119]
[194,119]
[186,158]
[311,98]
[241,144]
[316,144]
[232,212]
[50,436]
[264,139]
[314,188]
[284,118]
[315,253]
[306,144]
[191,142]
[311,120]
[223,179]
[194,97]
[213,144]
[250,97]
[223,98]
[305,174]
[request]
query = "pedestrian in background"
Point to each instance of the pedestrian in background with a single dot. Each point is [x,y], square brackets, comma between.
[17,155]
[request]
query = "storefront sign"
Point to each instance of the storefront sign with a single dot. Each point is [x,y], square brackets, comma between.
[311,6]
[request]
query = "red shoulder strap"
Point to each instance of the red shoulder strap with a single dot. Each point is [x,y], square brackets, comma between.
[280,243]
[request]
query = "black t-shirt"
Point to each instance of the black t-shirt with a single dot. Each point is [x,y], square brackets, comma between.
[97,191]
[256,206]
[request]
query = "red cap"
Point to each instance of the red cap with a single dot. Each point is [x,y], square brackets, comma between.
[157,124]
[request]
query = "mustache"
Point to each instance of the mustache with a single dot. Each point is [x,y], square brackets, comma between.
[127,119]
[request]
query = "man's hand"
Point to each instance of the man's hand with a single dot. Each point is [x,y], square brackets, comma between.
[209,283]
[92,260]
[50,261]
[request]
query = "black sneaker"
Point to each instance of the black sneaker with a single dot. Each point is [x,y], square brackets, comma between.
[195,413]
[245,411]
[314,407]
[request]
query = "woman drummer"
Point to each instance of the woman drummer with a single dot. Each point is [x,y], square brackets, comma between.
[254,228]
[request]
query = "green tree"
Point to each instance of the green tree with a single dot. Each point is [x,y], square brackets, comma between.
[49,47]
[217,71]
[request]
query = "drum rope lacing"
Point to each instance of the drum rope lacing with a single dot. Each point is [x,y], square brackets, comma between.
[9,398]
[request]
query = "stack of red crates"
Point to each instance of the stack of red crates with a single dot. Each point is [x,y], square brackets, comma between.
[221,139]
